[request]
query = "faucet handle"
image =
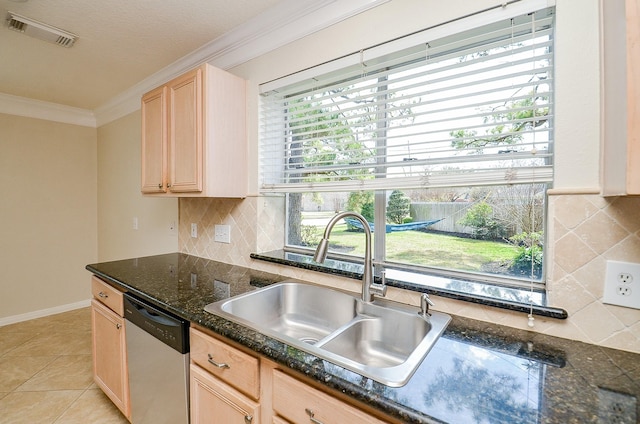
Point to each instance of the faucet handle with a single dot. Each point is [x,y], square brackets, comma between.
[380,289]
[425,302]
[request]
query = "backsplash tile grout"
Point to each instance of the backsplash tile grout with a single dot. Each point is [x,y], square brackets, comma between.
[584,232]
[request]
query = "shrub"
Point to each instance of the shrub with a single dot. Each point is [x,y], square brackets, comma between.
[522,262]
[368,211]
[528,260]
[398,207]
[480,218]
[358,199]
[310,235]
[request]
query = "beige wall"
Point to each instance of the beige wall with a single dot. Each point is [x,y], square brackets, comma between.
[69,195]
[120,200]
[47,214]
[50,206]
[585,229]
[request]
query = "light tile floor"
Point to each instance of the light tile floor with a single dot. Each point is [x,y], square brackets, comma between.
[46,373]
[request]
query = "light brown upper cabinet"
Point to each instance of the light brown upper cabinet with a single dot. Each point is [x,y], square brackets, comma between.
[194,136]
[620,46]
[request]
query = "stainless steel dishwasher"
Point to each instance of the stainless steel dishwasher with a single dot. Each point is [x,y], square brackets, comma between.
[158,359]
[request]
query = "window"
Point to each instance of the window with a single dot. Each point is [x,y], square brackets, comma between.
[445,144]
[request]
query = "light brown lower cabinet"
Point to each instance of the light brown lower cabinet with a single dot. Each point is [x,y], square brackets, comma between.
[110,355]
[230,384]
[213,401]
[298,402]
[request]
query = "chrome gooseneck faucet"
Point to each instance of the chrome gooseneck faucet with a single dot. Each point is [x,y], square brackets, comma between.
[369,286]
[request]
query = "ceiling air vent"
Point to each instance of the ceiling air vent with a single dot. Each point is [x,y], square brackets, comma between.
[40,30]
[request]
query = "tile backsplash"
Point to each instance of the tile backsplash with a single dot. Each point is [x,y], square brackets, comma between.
[584,232]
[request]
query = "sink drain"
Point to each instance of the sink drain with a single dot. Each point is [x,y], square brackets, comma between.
[309,340]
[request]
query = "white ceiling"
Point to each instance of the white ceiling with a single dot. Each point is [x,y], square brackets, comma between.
[121,42]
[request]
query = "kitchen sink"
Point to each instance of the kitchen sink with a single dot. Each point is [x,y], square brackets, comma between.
[385,339]
[300,312]
[382,340]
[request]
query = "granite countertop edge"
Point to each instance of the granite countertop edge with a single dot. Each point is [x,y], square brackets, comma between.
[263,344]
[184,284]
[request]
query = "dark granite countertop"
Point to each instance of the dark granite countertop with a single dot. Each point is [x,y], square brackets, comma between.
[476,373]
[463,290]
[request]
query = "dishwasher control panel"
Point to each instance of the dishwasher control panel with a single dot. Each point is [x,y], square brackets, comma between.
[164,326]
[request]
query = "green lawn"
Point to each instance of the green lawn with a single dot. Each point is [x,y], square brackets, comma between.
[437,250]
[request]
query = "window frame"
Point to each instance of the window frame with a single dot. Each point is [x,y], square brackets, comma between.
[380,212]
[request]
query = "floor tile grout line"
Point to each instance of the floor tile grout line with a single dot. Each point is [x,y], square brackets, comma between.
[7,353]
[15,389]
[40,371]
[33,376]
[111,415]
[70,406]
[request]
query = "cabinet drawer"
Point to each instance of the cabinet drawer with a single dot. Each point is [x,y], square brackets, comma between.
[108,295]
[298,403]
[233,366]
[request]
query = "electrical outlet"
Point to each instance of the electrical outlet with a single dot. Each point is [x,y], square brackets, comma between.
[616,407]
[624,291]
[625,278]
[221,290]
[222,233]
[194,230]
[622,284]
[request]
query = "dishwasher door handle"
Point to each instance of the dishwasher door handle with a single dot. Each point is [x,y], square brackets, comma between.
[152,316]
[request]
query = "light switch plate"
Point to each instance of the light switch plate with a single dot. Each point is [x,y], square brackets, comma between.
[622,284]
[222,233]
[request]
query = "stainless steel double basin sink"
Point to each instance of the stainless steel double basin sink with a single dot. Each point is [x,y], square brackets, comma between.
[381,340]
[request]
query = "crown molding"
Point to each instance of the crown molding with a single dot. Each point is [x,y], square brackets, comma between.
[286,22]
[30,108]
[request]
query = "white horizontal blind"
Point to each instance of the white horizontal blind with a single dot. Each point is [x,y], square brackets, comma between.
[470,109]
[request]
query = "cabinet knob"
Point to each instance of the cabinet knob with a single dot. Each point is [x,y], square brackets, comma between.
[103,295]
[160,186]
[310,413]
[118,326]
[217,364]
[248,419]
[168,185]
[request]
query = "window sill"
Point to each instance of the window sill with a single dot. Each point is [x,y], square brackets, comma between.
[421,282]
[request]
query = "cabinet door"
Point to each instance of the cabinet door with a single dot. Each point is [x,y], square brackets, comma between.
[154,141]
[186,132]
[109,355]
[213,402]
[620,64]
[633,95]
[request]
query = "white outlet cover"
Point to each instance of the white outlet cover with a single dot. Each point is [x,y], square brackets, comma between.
[622,291]
[222,233]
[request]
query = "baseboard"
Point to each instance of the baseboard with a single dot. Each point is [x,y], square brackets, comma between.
[44,312]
